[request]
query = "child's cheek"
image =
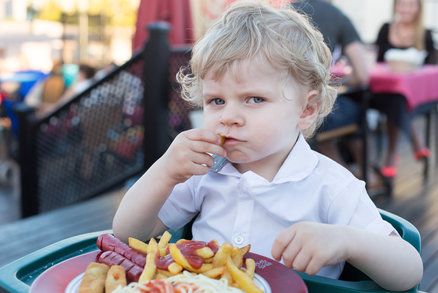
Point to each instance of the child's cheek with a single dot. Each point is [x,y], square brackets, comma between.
[209,122]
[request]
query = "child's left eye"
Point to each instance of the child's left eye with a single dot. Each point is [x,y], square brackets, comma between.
[255,100]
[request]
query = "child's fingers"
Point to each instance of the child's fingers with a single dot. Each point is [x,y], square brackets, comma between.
[202,135]
[314,266]
[281,242]
[206,147]
[197,169]
[290,253]
[301,260]
[202,159]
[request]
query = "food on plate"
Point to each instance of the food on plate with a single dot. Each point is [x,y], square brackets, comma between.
[242,279]
[150,267]
[185,282]
[107,242]
[137,245]
[133,271]
[94,278]
[201,262]
[115,277]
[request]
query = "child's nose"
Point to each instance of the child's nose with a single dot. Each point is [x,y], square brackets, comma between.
[231,116]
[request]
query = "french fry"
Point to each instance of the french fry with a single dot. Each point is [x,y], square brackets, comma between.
[241,278]
[222,254]
[205,252]
[208,260]
[222,139]
[160,276]
[181,241]
[238,253]
[164,273]
[150,266]
[162,244]
[215,272]
[180,259]
[250,267]
[137,245]
[205,267]
[175,268]
[227,276]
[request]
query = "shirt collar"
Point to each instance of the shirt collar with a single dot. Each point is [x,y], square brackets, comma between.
[298,165]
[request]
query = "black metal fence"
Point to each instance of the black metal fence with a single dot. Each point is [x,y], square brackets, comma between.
[105,135]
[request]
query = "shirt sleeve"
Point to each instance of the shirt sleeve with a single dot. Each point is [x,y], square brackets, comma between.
[352,206]
[382,42]
[348,33]
[431,57]
[180,207]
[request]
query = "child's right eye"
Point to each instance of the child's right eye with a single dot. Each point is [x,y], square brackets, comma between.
[216,101]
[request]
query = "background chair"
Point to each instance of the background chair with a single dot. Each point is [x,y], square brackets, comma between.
[360,129]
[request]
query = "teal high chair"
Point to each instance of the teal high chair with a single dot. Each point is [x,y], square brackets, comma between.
[19,276]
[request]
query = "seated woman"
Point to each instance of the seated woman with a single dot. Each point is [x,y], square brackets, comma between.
[403,32]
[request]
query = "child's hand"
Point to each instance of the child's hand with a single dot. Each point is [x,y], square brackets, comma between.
[308,246]
[188,154]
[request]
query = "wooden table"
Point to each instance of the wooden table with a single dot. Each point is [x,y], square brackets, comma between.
[28,235]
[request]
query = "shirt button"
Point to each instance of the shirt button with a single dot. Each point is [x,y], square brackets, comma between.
[238,239]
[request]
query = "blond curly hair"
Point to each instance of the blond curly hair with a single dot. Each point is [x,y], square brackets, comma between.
[282,36]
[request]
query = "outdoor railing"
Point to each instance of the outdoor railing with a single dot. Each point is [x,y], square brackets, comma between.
[110,132]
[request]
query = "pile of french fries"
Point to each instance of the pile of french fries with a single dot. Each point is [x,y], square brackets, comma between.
[226,263]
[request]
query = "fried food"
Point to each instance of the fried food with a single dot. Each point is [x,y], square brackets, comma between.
[222,139]
[115,277]
[94,278]
[137,245]
[243,280]
[168,260]
[150,266]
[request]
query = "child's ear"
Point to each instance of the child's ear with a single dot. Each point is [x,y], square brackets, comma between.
[310,110]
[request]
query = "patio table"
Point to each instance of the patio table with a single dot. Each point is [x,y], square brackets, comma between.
[419,87]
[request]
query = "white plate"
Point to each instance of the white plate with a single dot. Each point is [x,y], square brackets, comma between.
[73,286]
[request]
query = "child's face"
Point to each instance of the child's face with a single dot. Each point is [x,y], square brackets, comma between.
[257,108]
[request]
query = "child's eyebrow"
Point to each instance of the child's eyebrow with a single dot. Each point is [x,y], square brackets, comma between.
[210,95]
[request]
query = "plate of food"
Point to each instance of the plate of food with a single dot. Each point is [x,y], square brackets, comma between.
[185,265]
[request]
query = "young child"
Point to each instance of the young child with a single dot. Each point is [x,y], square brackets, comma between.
[262,78]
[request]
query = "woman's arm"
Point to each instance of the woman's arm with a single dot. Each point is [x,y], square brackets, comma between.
[382,42]
[355,52]
[432,53]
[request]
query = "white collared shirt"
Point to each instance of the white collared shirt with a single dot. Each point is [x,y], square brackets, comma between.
[247,209]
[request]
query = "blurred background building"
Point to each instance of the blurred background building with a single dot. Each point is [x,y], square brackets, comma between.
[33,33]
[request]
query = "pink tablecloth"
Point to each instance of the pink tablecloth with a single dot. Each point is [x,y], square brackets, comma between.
[419,86]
